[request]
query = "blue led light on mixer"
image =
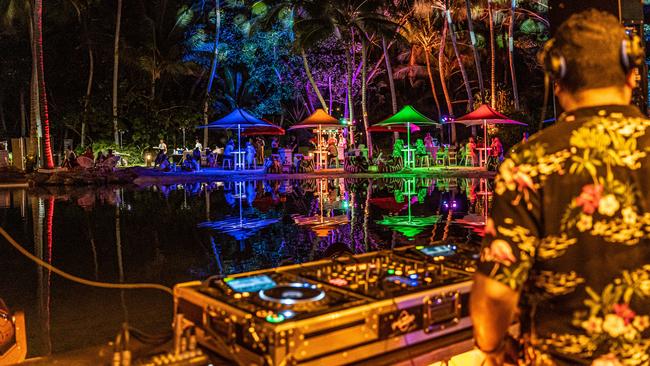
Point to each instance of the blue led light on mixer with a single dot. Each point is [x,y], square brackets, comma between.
[288,314]
[413,276]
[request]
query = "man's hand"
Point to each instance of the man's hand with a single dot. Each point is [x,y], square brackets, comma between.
[492,307]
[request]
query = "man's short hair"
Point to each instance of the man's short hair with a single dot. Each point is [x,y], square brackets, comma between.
[590,42]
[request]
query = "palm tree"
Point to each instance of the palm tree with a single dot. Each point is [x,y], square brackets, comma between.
[30,14]
[347,20]
[493,100]
[443,78]
[82,9]
[452,33]
[116,65]
[477,58]
[420,32]
[213,69]
[511,56]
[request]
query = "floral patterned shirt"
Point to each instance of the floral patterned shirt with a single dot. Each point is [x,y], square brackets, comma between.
[571,230]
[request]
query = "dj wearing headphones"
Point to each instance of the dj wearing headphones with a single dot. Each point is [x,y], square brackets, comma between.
[567,248]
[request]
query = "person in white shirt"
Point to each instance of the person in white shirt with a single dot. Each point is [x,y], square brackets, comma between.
[198,145]
[162,146]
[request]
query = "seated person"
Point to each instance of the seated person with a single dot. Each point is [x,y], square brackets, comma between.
[332,153]
[196,154]
[188,164]
[100,158]
[275,145]
[471,151]
[70,158]
[89,153]
[211,158]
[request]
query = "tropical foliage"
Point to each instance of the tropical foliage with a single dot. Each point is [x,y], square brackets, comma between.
[175,64]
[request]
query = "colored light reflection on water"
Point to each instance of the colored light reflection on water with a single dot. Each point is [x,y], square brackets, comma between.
[176,233]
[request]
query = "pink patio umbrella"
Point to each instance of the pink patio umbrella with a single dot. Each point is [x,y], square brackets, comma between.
[485,115]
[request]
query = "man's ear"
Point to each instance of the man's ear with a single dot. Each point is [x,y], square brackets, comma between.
[557,88]
[631,80]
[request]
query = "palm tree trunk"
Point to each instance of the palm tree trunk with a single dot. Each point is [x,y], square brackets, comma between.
[83,21]
[468,88]
[116,65]
[389,71]
[443,78]
[314,86]
[391,81]
[511,50]
[364,99]
[34,109]
[493,101]
[23,114]
[433,85]
[348,67]
[477,59]
[3,121]
[42,93]
[213,70]
[89,87]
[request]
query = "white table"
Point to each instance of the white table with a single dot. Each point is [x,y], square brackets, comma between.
[239,159]
[483,155]
[321,158]
[409,153]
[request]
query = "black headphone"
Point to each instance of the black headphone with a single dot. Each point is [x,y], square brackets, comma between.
[554,63]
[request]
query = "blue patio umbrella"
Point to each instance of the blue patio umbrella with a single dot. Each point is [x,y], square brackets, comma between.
[240,119]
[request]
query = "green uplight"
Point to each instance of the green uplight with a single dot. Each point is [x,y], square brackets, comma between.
[228,279]
[391,271]
[275,318]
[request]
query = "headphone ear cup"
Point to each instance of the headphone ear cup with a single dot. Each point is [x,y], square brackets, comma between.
[632,53]
[552,60]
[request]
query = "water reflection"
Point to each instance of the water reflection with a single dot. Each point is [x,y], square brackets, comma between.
[173,233]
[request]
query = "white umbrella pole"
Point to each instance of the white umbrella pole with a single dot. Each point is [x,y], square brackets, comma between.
[239,141]
[485,143]
[408,144]
[319,148]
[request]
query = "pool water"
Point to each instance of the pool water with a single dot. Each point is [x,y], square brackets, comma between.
[172,234]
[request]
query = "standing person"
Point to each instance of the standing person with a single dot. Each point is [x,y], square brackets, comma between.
[496,154]
[568,243]
[162,146]
[259,147]
[198,145]
[524,138]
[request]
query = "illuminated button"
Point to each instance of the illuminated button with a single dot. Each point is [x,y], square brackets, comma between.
[413,276]
[391,271]
[228,279]
[427,279]
[237,296]
[275,318]
[245,294]
[288,314]
[399,272]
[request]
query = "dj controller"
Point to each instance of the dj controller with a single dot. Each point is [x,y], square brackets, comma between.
[330,312]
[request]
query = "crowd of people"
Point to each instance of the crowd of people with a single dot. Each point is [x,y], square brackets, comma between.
[88,159]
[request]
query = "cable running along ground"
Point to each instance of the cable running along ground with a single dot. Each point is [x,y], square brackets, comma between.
[83,281]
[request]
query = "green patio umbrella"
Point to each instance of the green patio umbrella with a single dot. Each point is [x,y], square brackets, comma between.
[408,225]
[406,117]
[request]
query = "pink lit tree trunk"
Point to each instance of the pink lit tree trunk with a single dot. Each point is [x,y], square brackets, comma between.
[39,81]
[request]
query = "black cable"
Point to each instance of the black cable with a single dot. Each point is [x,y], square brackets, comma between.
[547,87]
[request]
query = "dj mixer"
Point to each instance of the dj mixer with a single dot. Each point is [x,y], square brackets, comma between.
[329,312]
